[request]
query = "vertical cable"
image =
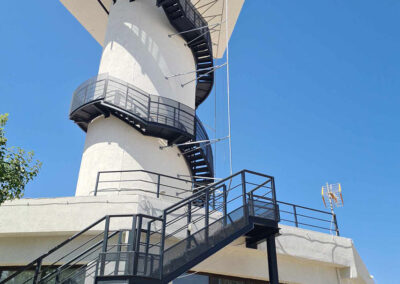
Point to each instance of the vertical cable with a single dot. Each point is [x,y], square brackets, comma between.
[215,123]
[227,85]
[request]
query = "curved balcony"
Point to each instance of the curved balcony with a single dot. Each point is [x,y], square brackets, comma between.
[153,115]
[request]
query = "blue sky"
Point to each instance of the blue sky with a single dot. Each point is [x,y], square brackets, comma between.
[314,90]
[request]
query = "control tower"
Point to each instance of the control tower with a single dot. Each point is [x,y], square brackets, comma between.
[155,70]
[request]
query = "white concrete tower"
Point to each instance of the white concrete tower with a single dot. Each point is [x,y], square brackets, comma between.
[156,68]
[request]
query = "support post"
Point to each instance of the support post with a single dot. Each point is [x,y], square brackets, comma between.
[245,207]
[243,175]
[116,268]
[272,260]
[131,241]
[189,220]
[38,269]
[336,225]
[225,205]
[97,184]
[137,245]
[105,243]
[295,216]
[276,208]
[207,213]
[158,186]
[147,246]
[161,263]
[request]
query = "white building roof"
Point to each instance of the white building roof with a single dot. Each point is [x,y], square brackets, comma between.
[94,19]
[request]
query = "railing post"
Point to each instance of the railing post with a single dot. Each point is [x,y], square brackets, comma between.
[86,89]
[213,206]
[116,268]
[276,209]
[105,87]
[137,245]
[162,244]
[207,212]
[36,277]
[243,175]
[126,97]
[225,201]
[175,117]
[97,184]
[147,246]
[105,243]
[189,220]
[295,215]
[336,225]
[158,185]
[245,207]
[148,108]
[251,202]
[58,276]
[131,241]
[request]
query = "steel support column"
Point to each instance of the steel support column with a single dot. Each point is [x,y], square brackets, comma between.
[272,260]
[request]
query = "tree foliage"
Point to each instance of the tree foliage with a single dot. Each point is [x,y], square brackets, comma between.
[17,167]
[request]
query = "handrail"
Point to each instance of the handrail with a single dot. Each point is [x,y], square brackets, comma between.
[75,236]
[296,215]
[157,183]
[152,109]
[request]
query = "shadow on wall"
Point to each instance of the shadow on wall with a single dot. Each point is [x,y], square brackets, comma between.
[136,150]
[333,243]
[155,45]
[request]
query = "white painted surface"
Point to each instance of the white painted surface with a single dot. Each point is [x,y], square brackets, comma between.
[113,145]
[137,49]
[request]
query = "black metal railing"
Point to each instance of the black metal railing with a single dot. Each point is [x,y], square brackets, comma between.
[197,20]
[185,220]
[133,181]
[308,218]
[201,135]
[128,98]
[79,255]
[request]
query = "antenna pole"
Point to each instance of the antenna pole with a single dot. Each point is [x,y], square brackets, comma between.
[328,189]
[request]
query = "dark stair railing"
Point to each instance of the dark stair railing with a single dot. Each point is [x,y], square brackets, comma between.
[158,249]
[200,225]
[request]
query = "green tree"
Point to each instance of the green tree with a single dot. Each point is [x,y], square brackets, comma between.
[17,167]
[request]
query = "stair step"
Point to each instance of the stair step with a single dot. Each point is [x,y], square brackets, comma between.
[173,8]
[198,163]
[176,15]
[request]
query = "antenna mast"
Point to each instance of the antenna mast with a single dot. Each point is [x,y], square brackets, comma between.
[332,192]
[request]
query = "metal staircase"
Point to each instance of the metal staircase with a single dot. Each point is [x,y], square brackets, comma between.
[157,249]
[199,156]
[185,18]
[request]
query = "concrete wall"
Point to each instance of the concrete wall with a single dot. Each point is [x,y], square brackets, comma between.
[137,49]
[112,145]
